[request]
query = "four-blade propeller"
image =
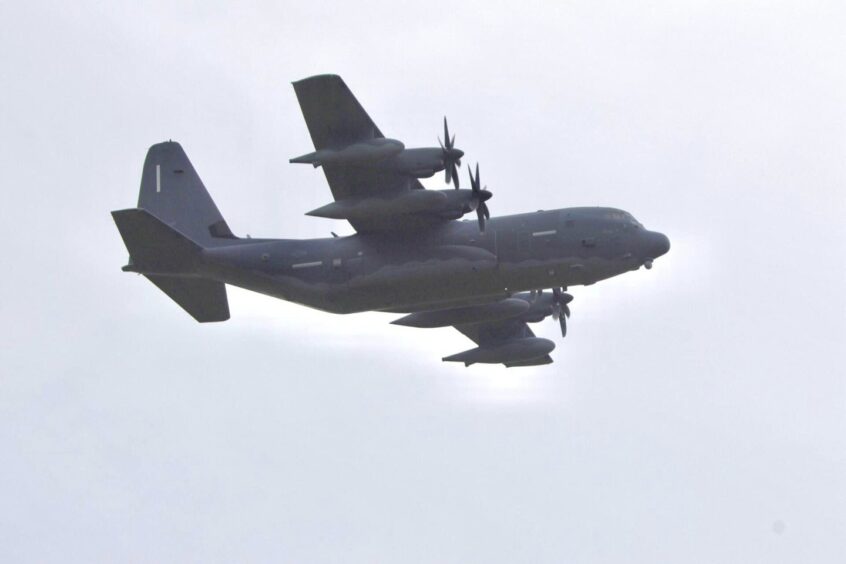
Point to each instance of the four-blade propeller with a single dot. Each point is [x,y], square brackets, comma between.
[560,309]
[452,156]
[480,196]
[559,304]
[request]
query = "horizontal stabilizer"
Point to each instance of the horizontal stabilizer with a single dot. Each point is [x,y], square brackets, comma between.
[167,258]
[154,247]
[204,300]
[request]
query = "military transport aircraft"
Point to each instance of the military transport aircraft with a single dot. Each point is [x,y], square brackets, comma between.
[487,278]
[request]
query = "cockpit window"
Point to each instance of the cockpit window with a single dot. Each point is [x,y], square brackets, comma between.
[623,217]
[617,215]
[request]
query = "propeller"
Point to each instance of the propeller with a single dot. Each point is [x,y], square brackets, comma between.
[452,156]
[556,305]
[560,309]
[480,196]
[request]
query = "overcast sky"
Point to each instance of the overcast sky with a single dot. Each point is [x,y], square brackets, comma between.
[695,413]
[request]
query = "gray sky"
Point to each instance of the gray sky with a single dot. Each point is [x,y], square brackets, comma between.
[695,412]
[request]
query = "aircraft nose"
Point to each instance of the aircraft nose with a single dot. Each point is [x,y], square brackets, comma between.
[659,244]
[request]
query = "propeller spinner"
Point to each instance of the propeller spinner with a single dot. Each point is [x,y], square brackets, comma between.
[452,156]
[480,196]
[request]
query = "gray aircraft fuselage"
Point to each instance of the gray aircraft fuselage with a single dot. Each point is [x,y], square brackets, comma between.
[448,265]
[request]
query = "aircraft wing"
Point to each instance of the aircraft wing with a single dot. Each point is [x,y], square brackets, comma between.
[498,331]
[335,120]
[334,117]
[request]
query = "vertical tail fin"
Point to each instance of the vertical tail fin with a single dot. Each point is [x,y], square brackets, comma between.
[175,219]
[172,191]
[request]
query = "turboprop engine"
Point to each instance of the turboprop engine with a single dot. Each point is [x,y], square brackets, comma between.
[358,153]
[514,349]
[447,204]
[414,201]
[505,309]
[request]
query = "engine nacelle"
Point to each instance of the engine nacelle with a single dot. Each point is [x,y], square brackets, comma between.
[449,204]
[510,307]
[366,151]
[516,350]
[413,201]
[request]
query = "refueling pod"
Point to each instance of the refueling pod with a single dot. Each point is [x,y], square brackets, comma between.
[512,351]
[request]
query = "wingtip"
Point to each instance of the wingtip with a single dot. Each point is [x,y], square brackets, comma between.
[168,143]
[329,76]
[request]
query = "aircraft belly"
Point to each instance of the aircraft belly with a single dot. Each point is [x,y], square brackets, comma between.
[370,284]
[413,284]
[437,284]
